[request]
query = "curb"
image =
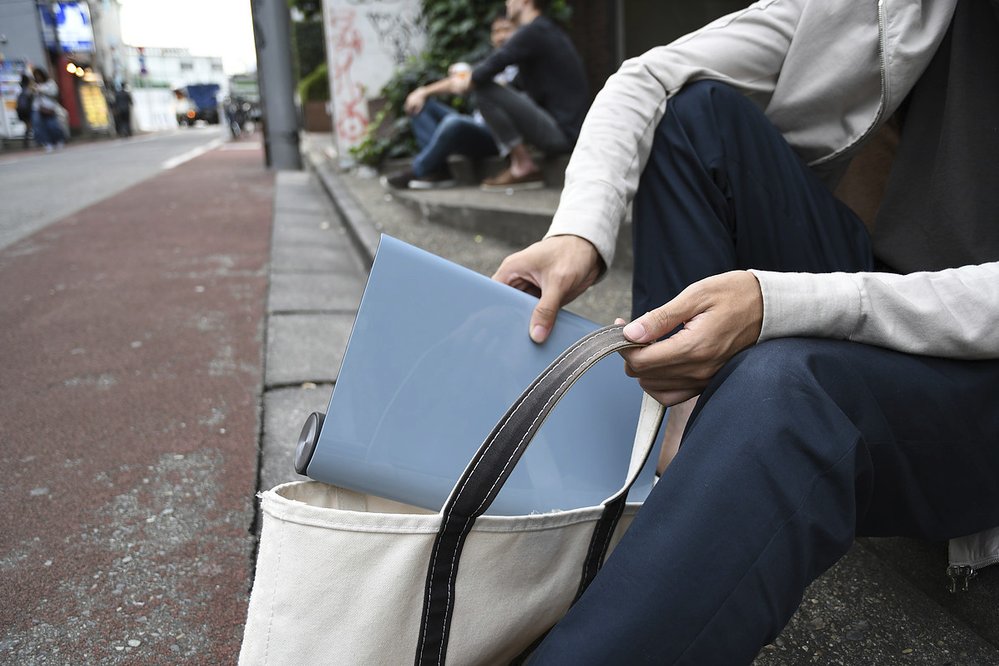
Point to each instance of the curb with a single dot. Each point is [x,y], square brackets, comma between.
[360,228]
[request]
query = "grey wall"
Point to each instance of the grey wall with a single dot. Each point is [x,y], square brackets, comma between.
[19,24]
[649,23]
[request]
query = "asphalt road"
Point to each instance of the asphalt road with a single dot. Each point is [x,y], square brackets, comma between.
[39,188]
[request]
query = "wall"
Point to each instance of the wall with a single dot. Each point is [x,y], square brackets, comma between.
[649,23]
[153,109]
[19,24]
[366,40]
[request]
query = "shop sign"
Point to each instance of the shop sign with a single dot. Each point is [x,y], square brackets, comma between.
[67,26]
[10,88]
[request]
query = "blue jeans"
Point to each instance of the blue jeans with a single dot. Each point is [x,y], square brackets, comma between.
[441,131]
[797,445]
[47,129]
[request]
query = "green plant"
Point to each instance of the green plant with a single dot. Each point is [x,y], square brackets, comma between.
[315,86]
[457,31]
[308,46]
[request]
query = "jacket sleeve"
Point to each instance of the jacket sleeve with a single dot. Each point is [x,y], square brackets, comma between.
[745,49]
[952,313]
[520,48]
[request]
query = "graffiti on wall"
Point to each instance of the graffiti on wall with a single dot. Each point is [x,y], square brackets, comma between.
[397,32]
[350,108]
[366,41]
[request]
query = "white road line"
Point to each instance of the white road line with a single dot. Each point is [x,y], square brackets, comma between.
[191,154]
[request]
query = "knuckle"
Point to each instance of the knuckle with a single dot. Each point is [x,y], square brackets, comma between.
[545,311]
[660,319]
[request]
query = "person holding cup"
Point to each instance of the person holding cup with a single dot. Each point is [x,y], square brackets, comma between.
[440,130]
[548,113]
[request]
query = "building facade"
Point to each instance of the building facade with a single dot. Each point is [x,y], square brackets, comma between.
[171,68]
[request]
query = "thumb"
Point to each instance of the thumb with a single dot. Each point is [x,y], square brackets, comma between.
[543,317]
[654,324]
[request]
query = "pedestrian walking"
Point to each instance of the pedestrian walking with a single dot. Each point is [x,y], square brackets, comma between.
[25,104]
[123,111]
[45,112]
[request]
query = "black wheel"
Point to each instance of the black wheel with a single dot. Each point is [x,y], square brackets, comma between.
[307,441]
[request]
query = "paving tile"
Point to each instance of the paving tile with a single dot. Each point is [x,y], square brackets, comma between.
[285,411]
[301,258]
[320,292]
[305,348]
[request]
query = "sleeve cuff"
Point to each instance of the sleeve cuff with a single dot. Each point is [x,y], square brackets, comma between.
[593,213]
[826,305]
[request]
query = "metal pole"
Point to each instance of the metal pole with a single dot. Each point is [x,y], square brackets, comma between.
[272,34]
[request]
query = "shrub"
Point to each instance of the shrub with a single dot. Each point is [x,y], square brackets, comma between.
[315,87]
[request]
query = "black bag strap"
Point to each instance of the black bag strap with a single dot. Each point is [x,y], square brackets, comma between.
[489,469]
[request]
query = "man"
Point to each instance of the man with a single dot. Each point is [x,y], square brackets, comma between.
[441,131]
[25,103]
[549,111]
[837,396]
[123,111]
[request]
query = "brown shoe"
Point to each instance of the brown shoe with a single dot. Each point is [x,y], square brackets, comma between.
[507,181]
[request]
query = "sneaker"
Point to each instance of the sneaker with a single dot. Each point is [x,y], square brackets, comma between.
[398,180]
[432,181]
[507,181]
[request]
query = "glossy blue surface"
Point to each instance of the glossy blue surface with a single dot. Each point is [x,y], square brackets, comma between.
[437,355]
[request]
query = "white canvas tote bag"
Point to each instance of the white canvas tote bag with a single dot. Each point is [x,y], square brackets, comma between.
[348,578]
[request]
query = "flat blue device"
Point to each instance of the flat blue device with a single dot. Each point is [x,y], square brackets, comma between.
[436,356]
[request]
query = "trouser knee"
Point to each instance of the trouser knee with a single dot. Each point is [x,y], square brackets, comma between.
[793,393]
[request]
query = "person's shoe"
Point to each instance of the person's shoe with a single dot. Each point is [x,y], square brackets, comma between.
[398,180]
[507,181]
[432,181]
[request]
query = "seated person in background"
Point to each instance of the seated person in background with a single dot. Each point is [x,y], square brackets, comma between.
[441,131]
[549,113]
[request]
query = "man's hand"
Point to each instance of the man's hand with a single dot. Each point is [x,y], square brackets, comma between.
[557,270]
[415,101]
[459,84]
[721,315]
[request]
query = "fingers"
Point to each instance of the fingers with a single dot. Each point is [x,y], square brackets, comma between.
[713,320]
[557,270]
[670,398]
[656,323]
[543,317]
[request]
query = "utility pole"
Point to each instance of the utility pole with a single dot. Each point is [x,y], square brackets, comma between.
[272,34]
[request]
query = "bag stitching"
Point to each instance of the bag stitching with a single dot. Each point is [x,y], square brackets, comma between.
[270,617]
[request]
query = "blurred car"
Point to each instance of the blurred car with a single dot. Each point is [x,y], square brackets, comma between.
[197,101]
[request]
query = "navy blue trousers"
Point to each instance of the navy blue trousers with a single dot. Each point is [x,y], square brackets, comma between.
[797,445]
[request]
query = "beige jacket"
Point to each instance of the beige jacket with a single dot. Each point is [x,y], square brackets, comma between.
[827,73]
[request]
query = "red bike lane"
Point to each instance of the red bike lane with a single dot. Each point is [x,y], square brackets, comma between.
[132,345]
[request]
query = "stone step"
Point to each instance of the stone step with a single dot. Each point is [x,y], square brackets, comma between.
[519,217]
[472,172]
